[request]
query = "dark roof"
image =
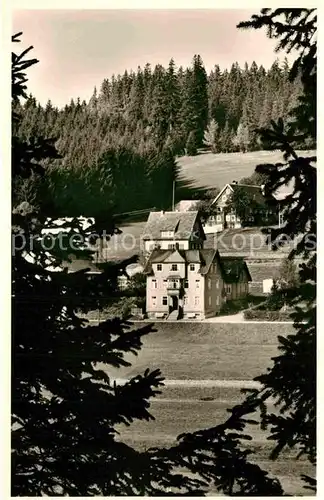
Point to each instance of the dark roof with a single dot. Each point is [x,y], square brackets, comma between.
[203,257]
[253,190]
[232,268]
[182,223]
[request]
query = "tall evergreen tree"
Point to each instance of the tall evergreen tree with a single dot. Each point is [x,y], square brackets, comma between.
[242,138]
[200,97]
[211,137]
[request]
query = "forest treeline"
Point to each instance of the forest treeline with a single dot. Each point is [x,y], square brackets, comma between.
[118,151]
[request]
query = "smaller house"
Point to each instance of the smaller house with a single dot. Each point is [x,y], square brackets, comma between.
[226,217]
[236,277]
[166,230]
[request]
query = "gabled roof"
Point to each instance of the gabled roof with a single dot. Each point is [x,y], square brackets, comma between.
[232,269]
[182,223]
[253,190]
[203,257]
[221,192]
[175,257]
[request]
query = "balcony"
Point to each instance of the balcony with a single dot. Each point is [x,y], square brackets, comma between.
[174,284]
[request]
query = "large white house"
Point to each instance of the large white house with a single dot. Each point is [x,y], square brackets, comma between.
[192,284]
[184,280]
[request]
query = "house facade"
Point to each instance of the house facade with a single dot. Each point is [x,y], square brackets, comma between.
[226,216]
[192,284]
[166,230]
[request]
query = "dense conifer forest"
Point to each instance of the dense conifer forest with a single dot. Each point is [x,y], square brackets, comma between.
[119,150]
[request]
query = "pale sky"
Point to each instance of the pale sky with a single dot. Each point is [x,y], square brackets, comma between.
[77,49]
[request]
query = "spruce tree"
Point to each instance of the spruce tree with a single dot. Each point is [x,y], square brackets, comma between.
[200,97]
[191,144]
[242,138]
[211,137]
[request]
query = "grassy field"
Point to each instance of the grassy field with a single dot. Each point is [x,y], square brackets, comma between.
[210,170]
[219,351]
[205,365]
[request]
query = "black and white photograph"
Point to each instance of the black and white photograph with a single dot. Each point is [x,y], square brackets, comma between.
[163,251]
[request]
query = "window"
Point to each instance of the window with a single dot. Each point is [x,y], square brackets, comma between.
[196,301]
[185,301]
[159,267]
[228,218]
[228,288]
[174,267]
[209,300]
[154,301]
[224,197]
[186,284]
[165,283]
[217,283]
[154,284]
[197,283]
[165,301]
[209,283]
[167,234]
[192,267]
[219,218]
[217,300]
[174,283]
[233,218]
[171,246]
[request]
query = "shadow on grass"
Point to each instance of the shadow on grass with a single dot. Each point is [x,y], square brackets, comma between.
[185,189]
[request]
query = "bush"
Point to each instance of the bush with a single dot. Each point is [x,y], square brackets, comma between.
[235,306]
[262,315]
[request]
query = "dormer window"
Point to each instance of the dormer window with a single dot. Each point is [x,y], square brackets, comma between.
[167,234]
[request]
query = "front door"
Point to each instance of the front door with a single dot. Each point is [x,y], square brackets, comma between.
[174,303]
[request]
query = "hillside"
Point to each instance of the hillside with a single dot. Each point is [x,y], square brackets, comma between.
[209,170]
